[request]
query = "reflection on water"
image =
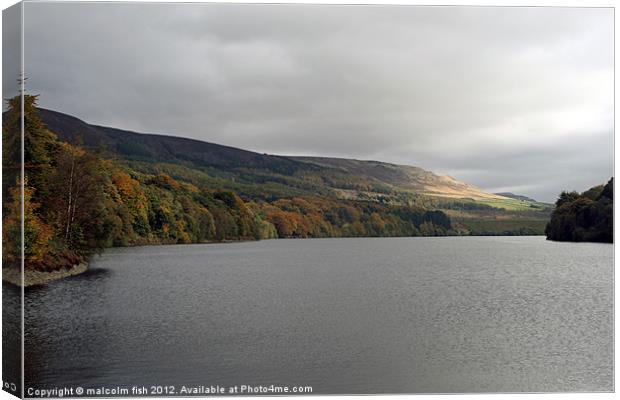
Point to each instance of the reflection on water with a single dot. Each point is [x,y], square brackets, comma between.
[366,315]
[11,339]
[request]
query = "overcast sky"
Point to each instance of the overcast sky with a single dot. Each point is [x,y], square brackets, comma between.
[509,99]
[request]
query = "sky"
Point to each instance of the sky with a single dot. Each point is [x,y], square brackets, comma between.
[508,99]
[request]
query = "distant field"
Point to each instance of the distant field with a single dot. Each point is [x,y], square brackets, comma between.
[515,221]
[503,226]
[514,204]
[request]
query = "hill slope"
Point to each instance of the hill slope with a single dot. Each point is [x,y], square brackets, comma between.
[405,178]
[516,196]
[268,178]
[161,148]
[345,177]
[137,189]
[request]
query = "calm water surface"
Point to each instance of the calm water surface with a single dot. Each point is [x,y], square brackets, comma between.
[368,315]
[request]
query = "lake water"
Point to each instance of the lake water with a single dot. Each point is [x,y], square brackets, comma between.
[367,315]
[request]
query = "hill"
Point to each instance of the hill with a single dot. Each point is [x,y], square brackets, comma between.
[81,194]
[162,148]
[88,187]
[264,177]
[346,176]
[404,178]
[516,196]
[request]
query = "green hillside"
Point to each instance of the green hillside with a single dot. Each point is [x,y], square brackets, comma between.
[82,194]
[89,187]
[264,177]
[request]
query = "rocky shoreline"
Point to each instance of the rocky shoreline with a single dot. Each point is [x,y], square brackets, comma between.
[33,278]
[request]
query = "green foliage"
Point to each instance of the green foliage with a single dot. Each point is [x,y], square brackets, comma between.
[514,204]
[93,201]
[37,234]
[38,144]
[586,217]
[566,197]
[75,199]
[593,193]
[502,227]
[328,217]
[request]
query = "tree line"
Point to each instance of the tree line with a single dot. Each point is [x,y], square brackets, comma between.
[78,201]
[584,217]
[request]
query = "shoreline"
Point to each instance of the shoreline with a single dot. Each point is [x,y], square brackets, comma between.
[35,278]
[233,241]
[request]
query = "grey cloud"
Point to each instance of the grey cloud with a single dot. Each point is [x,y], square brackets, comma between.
[517,98]
[11,51]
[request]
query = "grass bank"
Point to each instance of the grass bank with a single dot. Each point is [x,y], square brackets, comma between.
[33,277]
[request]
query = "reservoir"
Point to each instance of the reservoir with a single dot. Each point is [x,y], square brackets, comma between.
[359,315]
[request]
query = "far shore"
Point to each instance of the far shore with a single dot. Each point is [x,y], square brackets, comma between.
[34,277]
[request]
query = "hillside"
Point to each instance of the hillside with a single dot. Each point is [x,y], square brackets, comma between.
[263,177]
[346,176]
[79,198]
[516,196]
[404,178]
[162,148]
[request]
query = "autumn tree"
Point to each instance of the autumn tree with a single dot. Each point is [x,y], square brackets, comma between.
[131,195]
[39,144]
[76,198]
[37,234]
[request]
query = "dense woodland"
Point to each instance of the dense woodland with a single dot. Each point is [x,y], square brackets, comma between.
[267,178]
[78,201]
[584,217]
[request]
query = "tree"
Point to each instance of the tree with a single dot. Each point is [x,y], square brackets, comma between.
[583,217]
[39,144]
[566,197]
[377,225]
[37,234]
[132,197]
[76,199]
